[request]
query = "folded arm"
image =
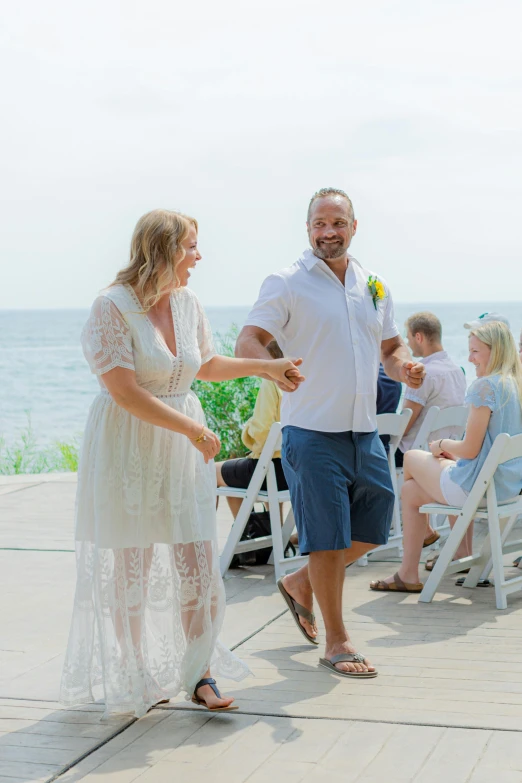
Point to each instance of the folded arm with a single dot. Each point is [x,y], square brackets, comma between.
[470,447]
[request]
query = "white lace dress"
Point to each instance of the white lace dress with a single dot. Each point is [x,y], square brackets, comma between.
[149,600]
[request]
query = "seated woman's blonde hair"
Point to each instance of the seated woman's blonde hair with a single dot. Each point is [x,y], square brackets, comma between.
[504,359]
[155,254]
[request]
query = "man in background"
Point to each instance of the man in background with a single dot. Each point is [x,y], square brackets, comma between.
[444,384]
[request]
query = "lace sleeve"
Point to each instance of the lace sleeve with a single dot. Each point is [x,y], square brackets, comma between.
[481,394]
[106,338]
[205,339]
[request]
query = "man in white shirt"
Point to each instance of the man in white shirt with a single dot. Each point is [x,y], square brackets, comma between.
[337,316]
[444,384]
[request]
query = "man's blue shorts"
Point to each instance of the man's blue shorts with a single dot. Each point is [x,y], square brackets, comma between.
[340,487]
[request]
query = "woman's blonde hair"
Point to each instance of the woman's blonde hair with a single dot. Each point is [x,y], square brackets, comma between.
[504,359]
[156,250]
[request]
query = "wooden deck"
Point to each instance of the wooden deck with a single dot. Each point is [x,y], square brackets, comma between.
[447,704]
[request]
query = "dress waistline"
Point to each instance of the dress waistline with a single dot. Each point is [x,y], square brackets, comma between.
[158,396]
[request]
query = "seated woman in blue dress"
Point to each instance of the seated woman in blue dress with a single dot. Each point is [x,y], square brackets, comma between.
[448,474]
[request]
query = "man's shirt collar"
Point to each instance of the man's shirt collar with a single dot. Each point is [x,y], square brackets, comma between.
[310,260]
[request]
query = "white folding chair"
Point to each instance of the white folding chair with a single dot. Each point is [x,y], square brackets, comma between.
[500,518]
[436,419]
[253,494]
[394,425]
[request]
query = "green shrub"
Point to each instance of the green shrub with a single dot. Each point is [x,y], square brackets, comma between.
[229,404]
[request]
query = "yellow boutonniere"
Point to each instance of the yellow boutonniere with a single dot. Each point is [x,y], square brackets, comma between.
[376,289]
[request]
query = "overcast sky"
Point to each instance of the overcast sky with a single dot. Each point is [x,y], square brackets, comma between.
[236,112]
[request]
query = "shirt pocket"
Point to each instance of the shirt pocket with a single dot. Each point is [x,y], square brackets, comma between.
[374,314]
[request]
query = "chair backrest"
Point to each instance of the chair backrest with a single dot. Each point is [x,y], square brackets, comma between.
[393,423]
[503,449]
[272,444]
[436,419]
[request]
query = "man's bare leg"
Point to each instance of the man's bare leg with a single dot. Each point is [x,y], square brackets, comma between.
[299,585]
[327,570]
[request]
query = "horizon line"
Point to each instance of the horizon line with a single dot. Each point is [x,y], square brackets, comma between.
[243,306]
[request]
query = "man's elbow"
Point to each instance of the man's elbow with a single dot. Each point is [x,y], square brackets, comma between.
[240,351]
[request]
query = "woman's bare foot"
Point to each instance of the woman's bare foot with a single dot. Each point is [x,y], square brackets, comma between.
[346,646]
[207,695]
[298,587]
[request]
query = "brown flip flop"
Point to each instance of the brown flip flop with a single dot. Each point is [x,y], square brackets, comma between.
[329,663]
[298,611]
[397,586]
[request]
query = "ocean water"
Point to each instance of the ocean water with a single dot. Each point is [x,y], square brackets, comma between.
[44,376]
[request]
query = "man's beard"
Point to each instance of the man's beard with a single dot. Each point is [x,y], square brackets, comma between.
[331,251]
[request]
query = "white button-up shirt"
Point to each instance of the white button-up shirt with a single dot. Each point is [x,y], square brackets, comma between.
[337,331]
[445,386]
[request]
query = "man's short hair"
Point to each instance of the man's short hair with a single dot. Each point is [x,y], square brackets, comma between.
[427,324]
[323,193]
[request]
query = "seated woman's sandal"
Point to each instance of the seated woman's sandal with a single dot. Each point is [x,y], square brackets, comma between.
[397,586]
[202,703]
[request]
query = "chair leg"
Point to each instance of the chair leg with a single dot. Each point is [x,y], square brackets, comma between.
[495,538]
[235,534]
[275,521]
[444,559]
[506,530]
[288,527]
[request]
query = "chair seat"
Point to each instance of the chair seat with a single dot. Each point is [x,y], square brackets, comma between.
[508,506]
[283,495]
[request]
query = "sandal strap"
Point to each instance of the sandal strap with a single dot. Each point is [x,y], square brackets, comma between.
[347,658]
[303,612]
[207,681]
[398,581]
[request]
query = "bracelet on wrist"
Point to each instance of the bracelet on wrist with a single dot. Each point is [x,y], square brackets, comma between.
[201,437]
[440,444]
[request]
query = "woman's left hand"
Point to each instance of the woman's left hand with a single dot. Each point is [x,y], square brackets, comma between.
[285,373]
[435,448]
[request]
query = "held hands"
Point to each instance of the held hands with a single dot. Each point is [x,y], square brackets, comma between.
[413,374]
[285,373]
[207,442]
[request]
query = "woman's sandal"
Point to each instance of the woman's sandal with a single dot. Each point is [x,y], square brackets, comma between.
[431,539]
[516,562]
[329,663]
[202,703]
[429,565]
[298,611]
[397,586]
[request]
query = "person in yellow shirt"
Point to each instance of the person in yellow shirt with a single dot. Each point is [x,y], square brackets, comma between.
[267,410]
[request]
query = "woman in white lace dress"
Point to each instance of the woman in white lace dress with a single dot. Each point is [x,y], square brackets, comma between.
[150,600]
